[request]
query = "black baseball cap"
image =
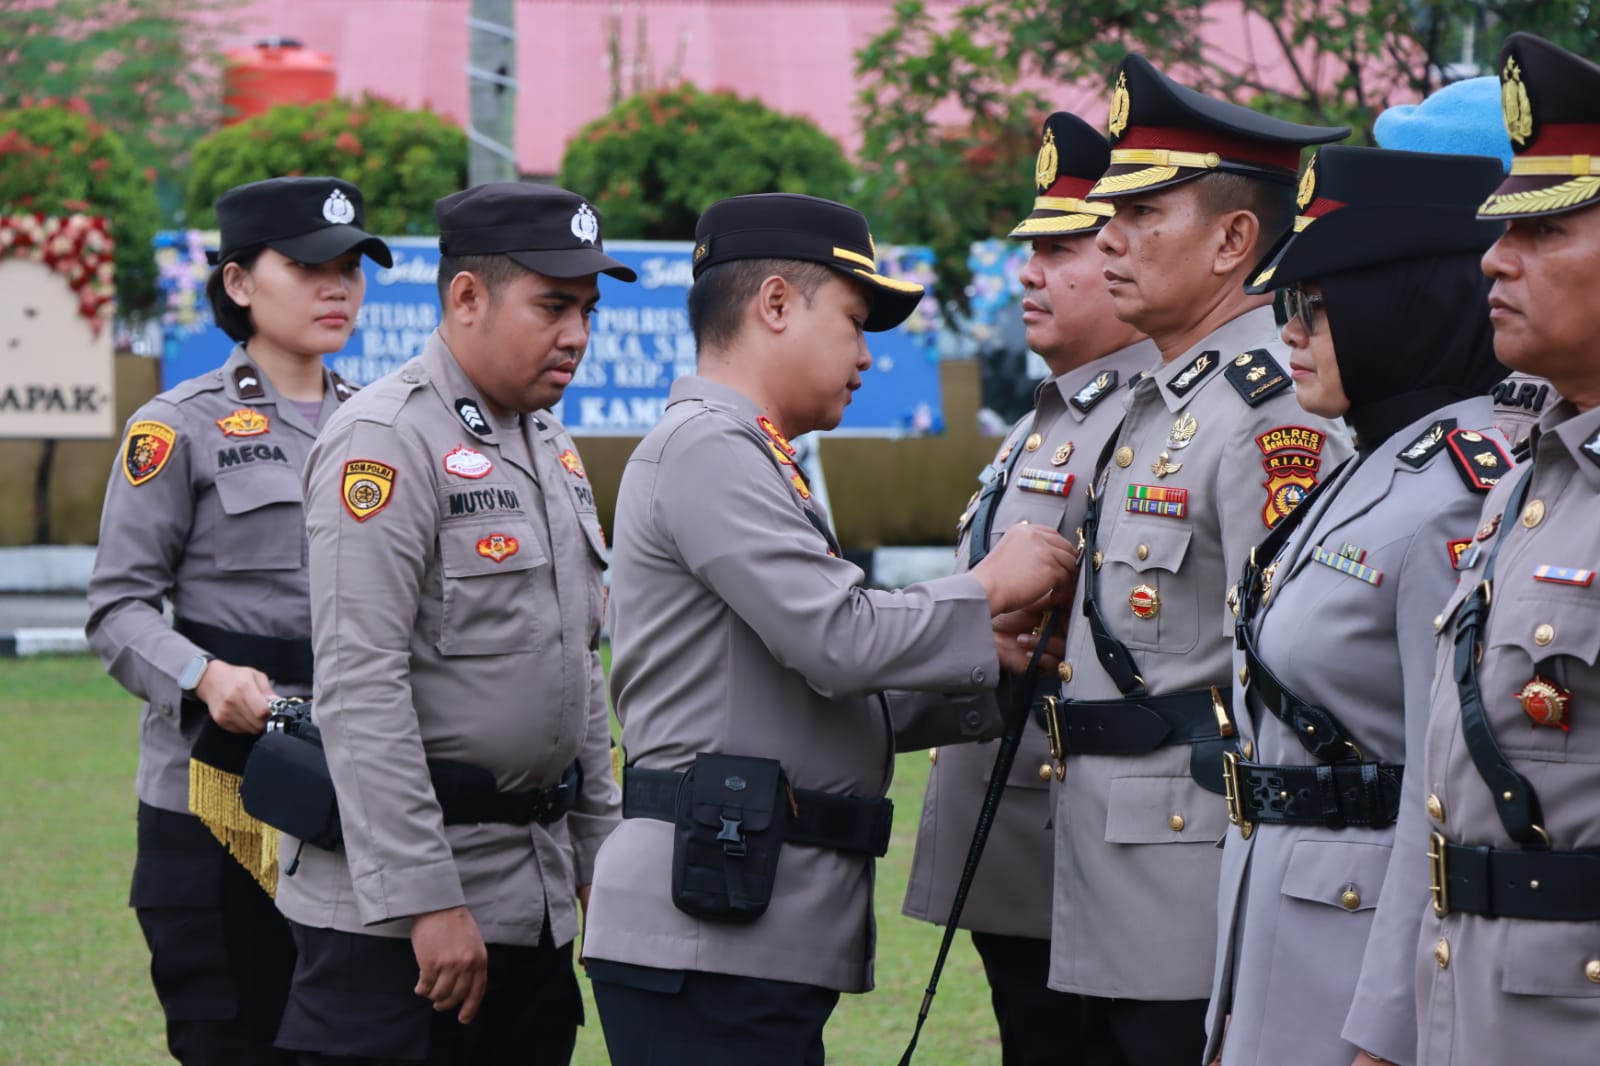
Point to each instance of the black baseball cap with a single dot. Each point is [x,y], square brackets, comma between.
[1551,102]
[1364,207]
[1072,156]
[548,230]
[781,225]
[310,220]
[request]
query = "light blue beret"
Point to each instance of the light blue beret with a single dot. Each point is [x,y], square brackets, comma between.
[1462,119]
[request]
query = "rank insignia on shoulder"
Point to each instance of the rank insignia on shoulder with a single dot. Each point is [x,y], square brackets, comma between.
[1418,452]
[247,379]
[1458,550]
[245,422]
[1480,461]
[1194,373]
[498,546]
[772,431]
[463,461]
[1157,500]
[367,487]
[573,465]
[147,449]
[1051,482]
[800,485]
[471,417]
[1098,389]
[1346,565]
[779,454]
[1256,376]
[1564,575]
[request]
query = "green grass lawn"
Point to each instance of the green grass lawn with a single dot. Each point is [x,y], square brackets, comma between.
[73,984]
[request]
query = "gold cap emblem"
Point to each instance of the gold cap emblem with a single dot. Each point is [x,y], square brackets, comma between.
[1119,106]
[1044,168]
[1308,185]
[1514,102]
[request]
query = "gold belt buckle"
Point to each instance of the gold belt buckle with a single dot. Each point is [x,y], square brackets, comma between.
[1052,729]
[1438,889]
[1233,791]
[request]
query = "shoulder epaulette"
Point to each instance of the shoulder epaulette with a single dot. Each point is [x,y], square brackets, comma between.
[1194,373]
[1256,376]
[342,389]
[1480,461]
[1418,453]
[382,402]
[1098,389]
[183,390]
[247,379]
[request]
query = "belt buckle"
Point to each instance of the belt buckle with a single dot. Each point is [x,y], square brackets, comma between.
[1233,791]
[1438,889]
[1052,729]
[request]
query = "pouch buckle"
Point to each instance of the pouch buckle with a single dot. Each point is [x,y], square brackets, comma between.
[1233,791]
[1438,888]
[1052,729]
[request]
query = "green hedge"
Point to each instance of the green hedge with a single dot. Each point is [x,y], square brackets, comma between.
[56,159]
[656,160]
[402,160]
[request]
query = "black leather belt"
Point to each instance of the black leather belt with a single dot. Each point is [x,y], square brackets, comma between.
[1138,725]
[285,660]
[467,796]
[1550,886]
[855,824]
[1359,794]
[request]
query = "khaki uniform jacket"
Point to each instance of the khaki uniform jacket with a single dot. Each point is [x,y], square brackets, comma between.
[1011,893]
[215,525]
[1519,401]
[455,568]
[1136,861]
[735,630]
[1297,903]
[1503,990]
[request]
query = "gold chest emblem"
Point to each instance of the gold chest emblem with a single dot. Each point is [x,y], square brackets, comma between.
[1119,106]
[1044,168]
[1514,102]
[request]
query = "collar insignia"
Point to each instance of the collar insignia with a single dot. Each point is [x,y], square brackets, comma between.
[1098,389]
[1194,373]
[471,417]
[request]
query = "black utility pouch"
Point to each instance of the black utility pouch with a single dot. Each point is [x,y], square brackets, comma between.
[286,781]
[731,815]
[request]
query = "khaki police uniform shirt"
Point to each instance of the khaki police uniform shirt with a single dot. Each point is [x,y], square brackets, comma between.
[1136,861]
[456,573]
[1519,401]
[1297,903]
[203,509]
[1059,441]
[735,630]
[1506,990]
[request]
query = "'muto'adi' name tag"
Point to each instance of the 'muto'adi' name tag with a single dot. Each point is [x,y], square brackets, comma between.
[1564,575]
[1157,500]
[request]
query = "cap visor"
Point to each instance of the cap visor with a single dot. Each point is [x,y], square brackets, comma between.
[1529,195]
[320,246]
[1056,224]
[572,263]
[893,300]
[1362,237]
[1127,179]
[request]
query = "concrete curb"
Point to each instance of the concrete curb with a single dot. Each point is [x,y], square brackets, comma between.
[55,640]
[46,568]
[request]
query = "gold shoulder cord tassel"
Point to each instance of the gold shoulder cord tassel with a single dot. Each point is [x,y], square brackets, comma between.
[214,799]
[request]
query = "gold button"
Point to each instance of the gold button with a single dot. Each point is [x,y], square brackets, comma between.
[1142,551]
[1544,634]
[1064,672]
[1097,559]
[1033,442]
[1591,970]
[1438,622]
[1244,675]
[1175,823]
[933,756]
[1349,899]
[1441,953]
[1124,456]
[1435,809]
[1045,773]
[1249,749]
[1533,514]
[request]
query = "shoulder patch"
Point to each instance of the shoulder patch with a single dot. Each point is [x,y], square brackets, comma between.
[146,450]
[1417,454]
[1098,389]
[1480,461]
[1194,373]
[367,488]
[1525,395]
[1456,549]
[1256,376]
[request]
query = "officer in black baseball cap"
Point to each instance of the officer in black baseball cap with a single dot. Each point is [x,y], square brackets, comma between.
[543,228]
[310,220]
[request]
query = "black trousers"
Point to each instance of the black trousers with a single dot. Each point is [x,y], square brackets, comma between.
[1132,1032]
[353,1003]
[657,1017]
[220,953]
[1038,1026]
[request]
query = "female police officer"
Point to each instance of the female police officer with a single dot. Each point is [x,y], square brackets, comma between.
[1389,328]
[203,509]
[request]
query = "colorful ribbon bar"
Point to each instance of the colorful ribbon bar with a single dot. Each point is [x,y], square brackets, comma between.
[1158,500]
[1347,566]
[1052,482]
[1564,575]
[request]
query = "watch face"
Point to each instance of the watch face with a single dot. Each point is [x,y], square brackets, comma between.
[191,673]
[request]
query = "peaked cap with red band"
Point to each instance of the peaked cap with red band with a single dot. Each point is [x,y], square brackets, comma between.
[1072,155]
[1163,133]
[1551,102]
[1364,207]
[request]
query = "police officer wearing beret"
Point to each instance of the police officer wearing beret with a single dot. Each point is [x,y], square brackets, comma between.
[1213,453]
[203,510]
[1509,965]
[456,563]
[734,903]
[1040,475]
[1389,328]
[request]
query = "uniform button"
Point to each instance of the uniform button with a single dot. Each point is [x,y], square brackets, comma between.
[1142,551]
[1591,970]
[1045,773]
[1438,622]
[1097,558]
[1249,749]
[1244,675]
[1441,953]
[1124,456]
[933,756]
[1544,633]
[978,677]
[1175,823]
[1435,808]
[409,378]
[1349,899]
[1033,442]
[1064,672]
[973,719]
[1533,514]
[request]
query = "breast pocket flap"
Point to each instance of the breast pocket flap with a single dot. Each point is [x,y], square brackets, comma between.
[1340,873]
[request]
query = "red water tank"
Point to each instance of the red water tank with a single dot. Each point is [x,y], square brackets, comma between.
[274,70]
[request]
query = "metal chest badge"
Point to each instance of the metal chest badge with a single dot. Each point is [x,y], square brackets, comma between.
[1545,702]
[1183,431]
[1144,601]
[245,422]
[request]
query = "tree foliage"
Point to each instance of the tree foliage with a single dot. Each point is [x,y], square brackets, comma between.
[402,160]
[56,160]
[655,161]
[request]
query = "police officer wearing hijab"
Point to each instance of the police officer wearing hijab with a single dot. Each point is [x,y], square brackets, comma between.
[203,511]
[1389,328]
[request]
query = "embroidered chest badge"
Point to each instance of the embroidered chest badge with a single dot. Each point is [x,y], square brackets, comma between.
[463,461]
[245,422]
[498,546]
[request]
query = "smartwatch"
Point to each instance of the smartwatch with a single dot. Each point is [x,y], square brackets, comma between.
[192,671]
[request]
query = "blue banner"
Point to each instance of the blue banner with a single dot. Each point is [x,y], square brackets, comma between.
[640,340]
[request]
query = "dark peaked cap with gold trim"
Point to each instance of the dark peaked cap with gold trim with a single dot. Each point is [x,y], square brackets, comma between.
[782,225]
[1163,133]
[1551,101]
[1072,155]
[1364,207]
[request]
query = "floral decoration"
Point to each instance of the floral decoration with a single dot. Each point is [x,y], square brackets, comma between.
[78,247]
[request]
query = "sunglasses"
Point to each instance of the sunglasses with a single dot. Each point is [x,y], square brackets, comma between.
[1295,302]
